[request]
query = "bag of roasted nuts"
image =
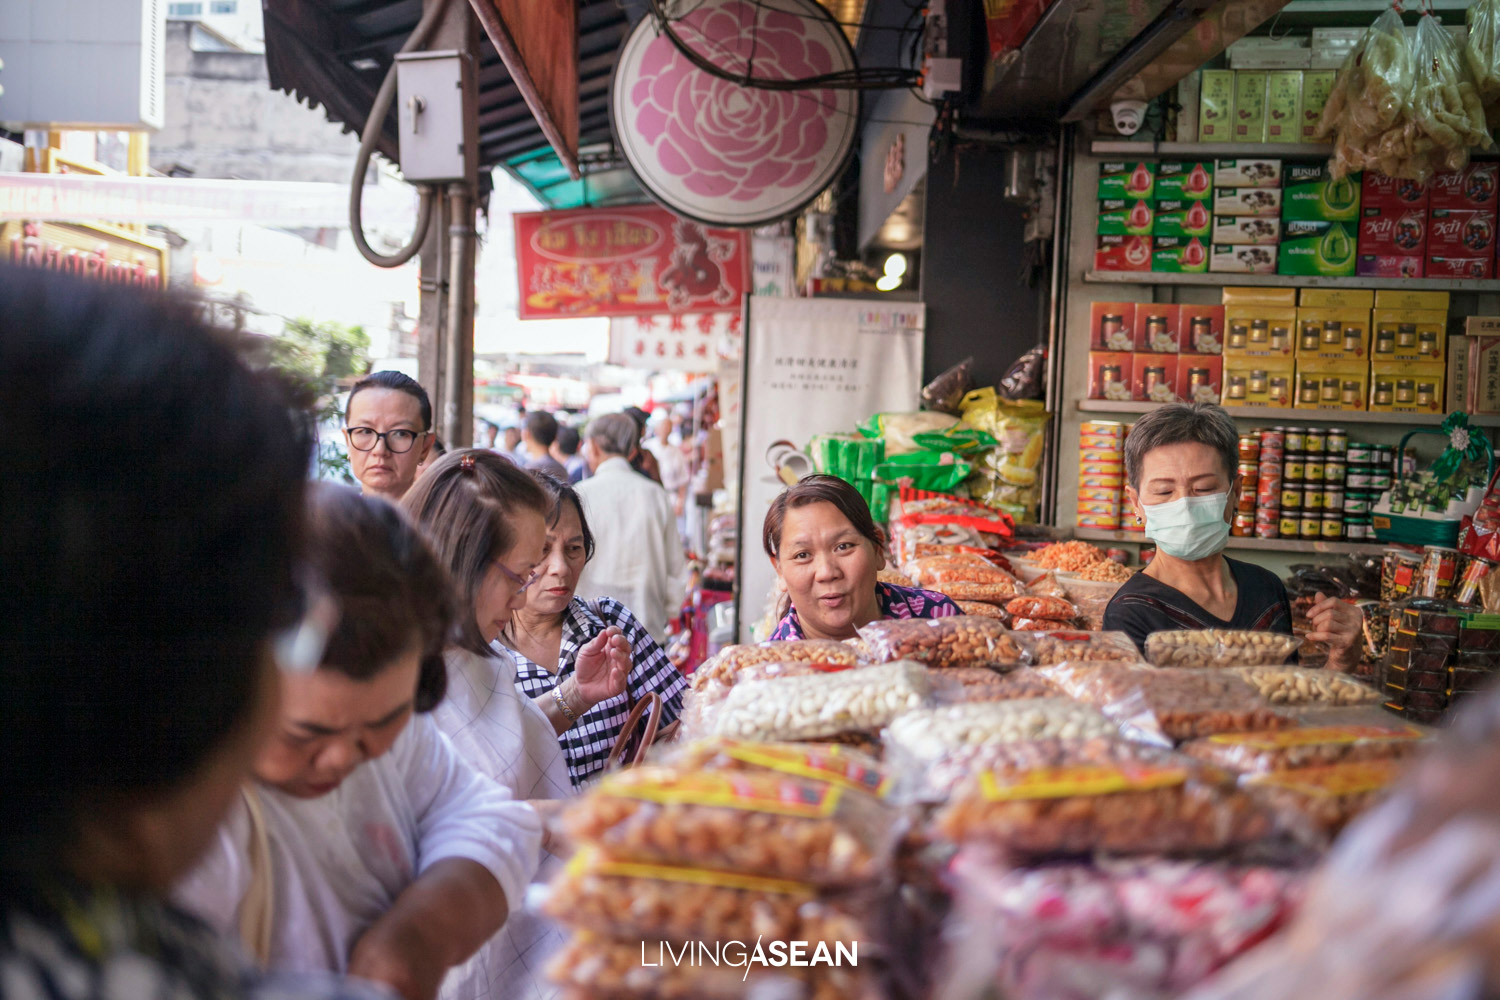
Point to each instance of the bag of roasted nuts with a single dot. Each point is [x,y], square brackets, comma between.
[1326,799]
[809,708]
[1311,746]
[1219,647]
[1287,685]
[959,641]
[830,762]
[923,736]
[725,667]
[958,685]
[1068,646]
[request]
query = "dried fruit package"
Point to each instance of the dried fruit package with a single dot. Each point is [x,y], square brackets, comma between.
[1132,804]
[1482,53]
[757,823]
[1312,746]
[959,641]
[810,708]
[1445,101]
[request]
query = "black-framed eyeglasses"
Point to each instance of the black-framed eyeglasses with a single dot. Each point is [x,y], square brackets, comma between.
[520,582]
[398,441]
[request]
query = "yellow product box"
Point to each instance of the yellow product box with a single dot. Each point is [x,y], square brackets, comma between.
[1332,385]
[1249,106]
[1237,295]
[1394,298]
[1099,508]
[1418,335]
[1101,480]
[1097,442]
[1087,455]
[1111,467]
[1102,428]
[1258,382]
[1316,86]
[1099,493]
[1333,334]
[1284,106]
[1336,298]
[1259,331]
[1216,106]
[1403,387]
[1102,522]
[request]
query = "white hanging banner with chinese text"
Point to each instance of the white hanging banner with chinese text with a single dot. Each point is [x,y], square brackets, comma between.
[814,366]
[691,342]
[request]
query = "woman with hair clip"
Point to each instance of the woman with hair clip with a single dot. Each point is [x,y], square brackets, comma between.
[366,845]
[827,552]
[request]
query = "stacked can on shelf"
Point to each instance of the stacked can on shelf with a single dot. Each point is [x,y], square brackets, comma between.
[1265,450]
[1368,475]
[1101,474]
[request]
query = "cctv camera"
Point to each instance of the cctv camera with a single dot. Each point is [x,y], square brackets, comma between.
[1128,116]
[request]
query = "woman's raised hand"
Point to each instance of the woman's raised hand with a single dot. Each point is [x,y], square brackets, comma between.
[602,666]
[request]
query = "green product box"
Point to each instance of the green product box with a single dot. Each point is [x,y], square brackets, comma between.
[1179,255]
[1182,218]
[1125,217]
[1310,194]
[1326,249]
[1184,181]
[1127,180]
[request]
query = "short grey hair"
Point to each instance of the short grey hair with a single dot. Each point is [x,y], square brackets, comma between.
[1175,423]
[615,434]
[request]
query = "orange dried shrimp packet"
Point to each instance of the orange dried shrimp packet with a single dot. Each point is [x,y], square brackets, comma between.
[1042,607]
[1105,571]
[981,609]
[939,570]
[989,593]
[1071,556]
[758,823]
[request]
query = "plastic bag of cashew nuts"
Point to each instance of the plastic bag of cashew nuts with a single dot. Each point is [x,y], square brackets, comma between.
[725,667]
[810,708]
[1288,685]
[764,823]
[1164,706]
[958,685]
[917,738]
[828,762]
[1219,647]
[938,780]
[1310,746]
[959,641]
[1130,802]
[664,902]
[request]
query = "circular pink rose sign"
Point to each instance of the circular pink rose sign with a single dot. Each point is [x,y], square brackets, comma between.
[719,152]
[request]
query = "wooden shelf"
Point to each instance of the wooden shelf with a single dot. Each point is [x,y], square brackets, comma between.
[1310,545]
[1210,150]
[1292,416]
[1291,281]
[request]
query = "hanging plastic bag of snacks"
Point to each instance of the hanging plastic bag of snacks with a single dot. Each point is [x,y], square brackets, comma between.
[1368,113]
[1482,53]
[1445,101]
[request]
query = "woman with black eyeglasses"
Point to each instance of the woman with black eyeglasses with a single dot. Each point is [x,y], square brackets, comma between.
[388,428]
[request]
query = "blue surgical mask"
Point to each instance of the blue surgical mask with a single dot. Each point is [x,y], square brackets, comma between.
[1190,528]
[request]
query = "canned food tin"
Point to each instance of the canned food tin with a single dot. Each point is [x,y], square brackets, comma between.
[1103,522]
[1099,493]
[1249,448]
[1264,468]
[1437,575]
[1357,503]
[1095,442]
[1333,526]
[1337,441]
[1103,428]
[1244,525]
[1312,499]
[1296,439]
[1272,453]
[1380,480]
[1273,438]
[1249,470]
[1314,441]
[1290,525]
[1094,468]
[1310,526]
[1359,477]
[1246,502]
[1267,515]
[1101,481]
[1269,494]
[1088,455]
[1356,532]
[1267,530]
[1295,470]
[1359,453]
[1333,471]
[1099,508]
[1333,498]
[1291,498]
[1312,471]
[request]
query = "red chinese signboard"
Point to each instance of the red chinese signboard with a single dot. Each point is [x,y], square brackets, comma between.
[627,262]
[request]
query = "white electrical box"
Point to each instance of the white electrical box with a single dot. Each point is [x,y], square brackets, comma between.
[86,64]
[438,116]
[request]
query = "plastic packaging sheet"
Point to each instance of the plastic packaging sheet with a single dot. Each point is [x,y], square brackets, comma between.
[769,824]
[1162,705]
[1407,906]
[725,667]
[1310,746]
[1323,800]
[1287,685]
[1219,647]
[809,708]
[1064,646]
[1122,929]
[920,737]
[1127,801]
[957,685]
[960,641]
[829,762]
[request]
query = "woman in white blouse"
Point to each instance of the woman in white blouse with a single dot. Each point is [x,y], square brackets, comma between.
[366,844]
[486,520]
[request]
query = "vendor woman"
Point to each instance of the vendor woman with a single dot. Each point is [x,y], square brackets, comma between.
[826,551]
[1181,480]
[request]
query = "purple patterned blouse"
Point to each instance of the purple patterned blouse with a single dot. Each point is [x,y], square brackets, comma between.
[895,602]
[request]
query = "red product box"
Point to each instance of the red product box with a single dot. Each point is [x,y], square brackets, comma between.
[1112,326]
[1460,232]
[1122,253]
[1380,191]
[1389,266]
[1477,186]
[1154,379]
[1157,327]
[1393,232]
[1460,267]
[1110,375]
[1201,329]
[1200,377]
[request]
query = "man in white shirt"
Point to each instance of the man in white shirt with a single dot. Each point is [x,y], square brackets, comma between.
[673,464]
[639,560]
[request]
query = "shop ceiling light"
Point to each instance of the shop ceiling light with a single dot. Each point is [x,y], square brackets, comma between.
[895,265]
[889,283]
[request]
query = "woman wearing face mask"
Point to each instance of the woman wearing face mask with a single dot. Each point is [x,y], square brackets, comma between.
[1180,467]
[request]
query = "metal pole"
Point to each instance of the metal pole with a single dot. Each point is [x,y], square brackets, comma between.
[458,418]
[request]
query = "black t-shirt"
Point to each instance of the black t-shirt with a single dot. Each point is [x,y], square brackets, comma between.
[1146,605]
